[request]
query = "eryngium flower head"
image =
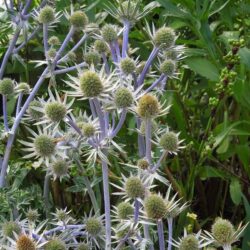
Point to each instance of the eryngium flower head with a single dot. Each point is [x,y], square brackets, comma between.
[100,46]
[23,88]
[82,246]
[55,111]
[25,243]
[55,244]
[6,86]
[88,129]
[10,228]
[134,188]
[79,20]
[169,142]
[54,40]
[46,15]
[143,163]
[71,56]
[93,226]
[164,37]
[155,207]
[35,114]
[148,106]
[44,145]
[223,231]
[172,54]
[60,168]
[109,33]
[90,84]
[168,68]
[123,98]
[124,210]
[190,242]
[32,215]
[92,57]
[127,65]
[128,10]
[51,53]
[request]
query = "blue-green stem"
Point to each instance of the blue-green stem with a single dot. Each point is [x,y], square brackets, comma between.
[170,233]
[160,234]
[5,113]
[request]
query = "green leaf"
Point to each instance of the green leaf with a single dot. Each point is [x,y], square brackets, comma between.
[235,191]
[245,56]
[203,67]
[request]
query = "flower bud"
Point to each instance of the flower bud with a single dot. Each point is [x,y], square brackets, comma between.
[134,188]
[90,84]
[164,37]
[82,246]
[55,244]
[44,145]
[46,15]
[189,242]
[79,20]
[123,98]
[171,54]
[101,47]
[88,129]
[71,56]
[54,40]
[128,66]
[223,231]
[10,228]
[168,67]
[25,243]
[92,57]
[143,163]
[93,226]
[6,86]
[148,106]
[51,53]
[155,207]
[109,33]
[124,210]
[36,115]
[169,141]
[23,88]
[32,215]
[60,168]
[55,111]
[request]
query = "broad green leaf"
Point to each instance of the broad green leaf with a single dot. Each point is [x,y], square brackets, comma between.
[203,67]
[235,191]
[245,56]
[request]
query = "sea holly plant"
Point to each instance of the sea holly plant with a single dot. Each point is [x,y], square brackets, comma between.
[112,78]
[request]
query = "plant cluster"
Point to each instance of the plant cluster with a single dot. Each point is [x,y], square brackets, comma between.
[112,84]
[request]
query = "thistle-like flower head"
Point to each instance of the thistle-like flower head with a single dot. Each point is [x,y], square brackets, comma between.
[124,210]
[79,20]
[164,37]
[143,163]
[123,98]
[109,33]
[192,241]
[60,168]
[9,228]
[6,86]
[46,15]
[127,65]
[54,41]
[23,88]
[168,68]
[43,146]
[101,47]
[223,232]
[55,244]
[155,207]
[148,106]
[92,57]
[32,215]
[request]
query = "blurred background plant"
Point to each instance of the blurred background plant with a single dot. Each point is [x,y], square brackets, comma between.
[210,106]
